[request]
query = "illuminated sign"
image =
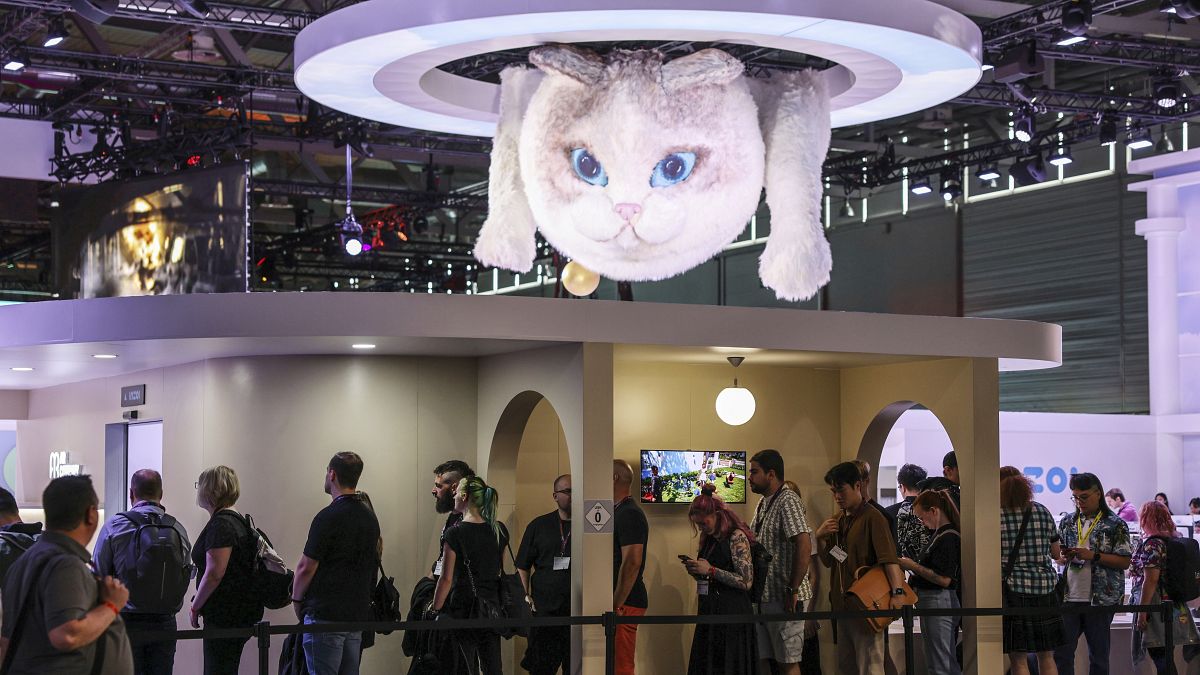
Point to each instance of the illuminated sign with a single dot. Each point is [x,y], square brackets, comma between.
[60,465]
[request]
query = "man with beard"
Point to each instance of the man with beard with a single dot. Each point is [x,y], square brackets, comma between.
[445,482]
[546,550]
[781,526]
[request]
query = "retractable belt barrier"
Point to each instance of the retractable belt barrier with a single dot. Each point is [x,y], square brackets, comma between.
[610,620]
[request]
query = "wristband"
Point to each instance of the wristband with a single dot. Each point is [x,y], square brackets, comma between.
[1096,556]
[111,606]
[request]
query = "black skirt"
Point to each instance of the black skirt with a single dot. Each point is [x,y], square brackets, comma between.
[1033,632]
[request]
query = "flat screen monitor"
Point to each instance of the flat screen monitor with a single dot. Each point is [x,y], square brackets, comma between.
[676,476]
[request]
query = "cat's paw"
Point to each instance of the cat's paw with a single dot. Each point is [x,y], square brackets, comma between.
[794,271]
[499,245]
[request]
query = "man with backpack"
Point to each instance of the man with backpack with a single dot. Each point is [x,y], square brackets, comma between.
[59,617]
[781,526]
[336,573]
[1095,555]
[16,537]
[149,551]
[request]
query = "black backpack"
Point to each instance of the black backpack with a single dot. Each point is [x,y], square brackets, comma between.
[760,558]
[1181,569]
[158,564]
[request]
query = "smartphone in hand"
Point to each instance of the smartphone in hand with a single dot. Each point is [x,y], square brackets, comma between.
[684,558]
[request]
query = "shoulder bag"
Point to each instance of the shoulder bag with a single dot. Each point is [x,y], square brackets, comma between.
[872,591]
[1012,554]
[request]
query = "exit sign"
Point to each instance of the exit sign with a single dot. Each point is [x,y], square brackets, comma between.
[133,396]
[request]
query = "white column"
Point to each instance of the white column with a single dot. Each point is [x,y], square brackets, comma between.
[1161,231]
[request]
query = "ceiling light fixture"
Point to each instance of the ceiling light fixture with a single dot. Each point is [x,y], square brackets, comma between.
[1066,39]
[921,187]
[988,173]
[1025,125]
[1108,130]
[1077,18]
[735,405]
[104,356]
[1139,138]
[57,32]
[1166,92]
[362,345]
[1061,156]
[21,369]
[847,211]
[1164,144]
[1028,170]
[951,186]
[14,63]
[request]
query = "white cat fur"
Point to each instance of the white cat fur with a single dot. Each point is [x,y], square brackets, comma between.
[631,110]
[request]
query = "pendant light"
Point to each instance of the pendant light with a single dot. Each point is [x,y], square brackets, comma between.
[735,405]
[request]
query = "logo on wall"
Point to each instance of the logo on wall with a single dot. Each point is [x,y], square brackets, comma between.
[641,169]
[60,465]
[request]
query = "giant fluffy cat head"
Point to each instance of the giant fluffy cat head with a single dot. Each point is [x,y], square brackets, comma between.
[638,169]
[641,169]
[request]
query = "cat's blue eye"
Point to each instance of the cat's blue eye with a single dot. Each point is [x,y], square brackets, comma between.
[588,168]
[673,169]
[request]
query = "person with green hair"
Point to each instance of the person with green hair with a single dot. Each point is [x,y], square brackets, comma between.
[471,569]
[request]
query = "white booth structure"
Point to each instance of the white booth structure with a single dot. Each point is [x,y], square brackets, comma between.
[524,389]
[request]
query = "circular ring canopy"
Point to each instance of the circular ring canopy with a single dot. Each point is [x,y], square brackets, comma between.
[379,59]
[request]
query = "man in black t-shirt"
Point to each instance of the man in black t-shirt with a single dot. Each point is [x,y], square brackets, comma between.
[630,532]
[445,482]
[337,570]
[546,549]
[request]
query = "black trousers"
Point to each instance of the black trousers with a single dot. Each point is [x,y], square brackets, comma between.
[150,657]
[549,650]
[222,657]
[476,652]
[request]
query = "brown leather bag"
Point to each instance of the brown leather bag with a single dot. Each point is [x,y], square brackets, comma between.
[872,591]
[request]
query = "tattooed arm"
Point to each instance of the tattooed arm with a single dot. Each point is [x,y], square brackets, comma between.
[739,547]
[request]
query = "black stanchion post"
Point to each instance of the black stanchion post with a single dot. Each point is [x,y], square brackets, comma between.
[263,630]
[610,643]
[1169,633]
[910,642]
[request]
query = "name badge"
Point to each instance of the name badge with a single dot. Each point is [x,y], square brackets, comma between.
[437,569]
[702,587]
[562,562]
[838,554]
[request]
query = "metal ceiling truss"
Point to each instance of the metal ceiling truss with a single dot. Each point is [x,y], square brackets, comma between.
[229,15]
[1130,53]
[1074,102]
[160,155]
[172,73]
[1040,20]
[866,171]
[410,198]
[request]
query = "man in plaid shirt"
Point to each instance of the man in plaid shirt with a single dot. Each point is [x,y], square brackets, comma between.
[1095,553]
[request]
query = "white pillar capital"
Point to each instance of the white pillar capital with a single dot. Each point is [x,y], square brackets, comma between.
[1149,227]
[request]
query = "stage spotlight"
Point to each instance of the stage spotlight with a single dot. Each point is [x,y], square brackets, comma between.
[1028,170]
[988,173]
[951,186]
[921,187]
[1184,9]
[1023,91]
[57,33]
[1139,138]
[1061,156]
[1166,92]
[351,234]
[1108,130]
[1025,125]
[1077,18]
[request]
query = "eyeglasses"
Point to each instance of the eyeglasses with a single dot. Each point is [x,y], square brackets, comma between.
[564,491]
[1084,497]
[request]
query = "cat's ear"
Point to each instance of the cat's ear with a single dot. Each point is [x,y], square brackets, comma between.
[707,66]
[507,238]
[581,65]
[794,112]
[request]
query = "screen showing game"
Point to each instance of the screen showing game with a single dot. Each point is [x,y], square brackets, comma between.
[676,476]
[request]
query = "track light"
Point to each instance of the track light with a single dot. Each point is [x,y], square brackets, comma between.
[988,173]
[1139,138]
[951,186]
[1028,170]
[921,187]
[1108,130]
[1025,125]
[1061,156]
[1166,92]
[1077,18]
[57,33]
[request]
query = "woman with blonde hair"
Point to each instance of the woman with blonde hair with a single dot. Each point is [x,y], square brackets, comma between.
[936,577]
[1028,540]
[224,555]
[1147,568]
[472,565]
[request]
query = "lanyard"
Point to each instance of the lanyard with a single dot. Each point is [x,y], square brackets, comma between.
[761,516]
[1085,536]
[563,539]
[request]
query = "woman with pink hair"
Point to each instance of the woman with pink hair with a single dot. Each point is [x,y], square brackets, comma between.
[1147,569]
[724,573]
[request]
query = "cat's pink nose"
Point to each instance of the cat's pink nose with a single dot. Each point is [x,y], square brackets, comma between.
[627,211]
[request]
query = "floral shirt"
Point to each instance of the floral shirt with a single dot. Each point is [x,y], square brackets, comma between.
[912,537]
[1110,535]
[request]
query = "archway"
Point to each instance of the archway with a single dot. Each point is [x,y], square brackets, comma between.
[902,433]
[528,451]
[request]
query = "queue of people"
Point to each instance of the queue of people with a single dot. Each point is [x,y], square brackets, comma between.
[69,611]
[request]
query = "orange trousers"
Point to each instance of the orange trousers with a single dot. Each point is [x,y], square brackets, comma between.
[627,640]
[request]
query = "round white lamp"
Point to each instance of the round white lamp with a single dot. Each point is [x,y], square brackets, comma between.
[735,405]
